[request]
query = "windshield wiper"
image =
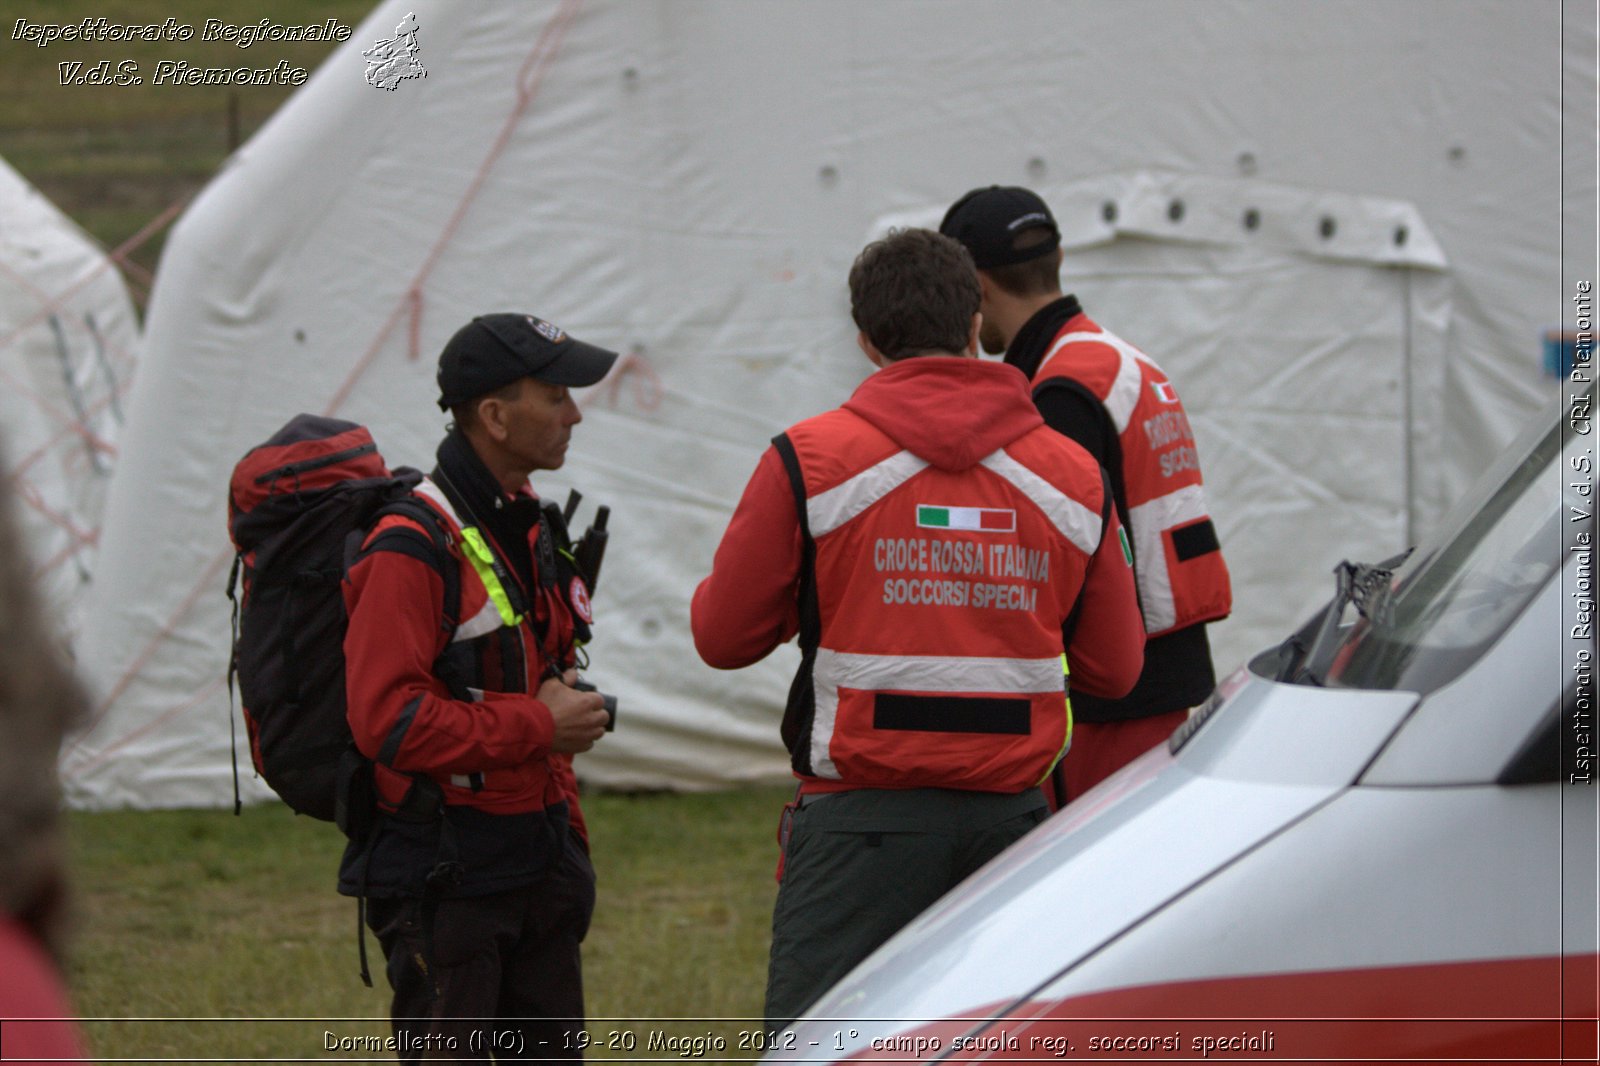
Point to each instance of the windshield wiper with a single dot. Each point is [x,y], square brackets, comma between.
[1363,585]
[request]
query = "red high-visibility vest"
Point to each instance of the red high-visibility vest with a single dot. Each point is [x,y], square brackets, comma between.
[1177,560]
[931,607]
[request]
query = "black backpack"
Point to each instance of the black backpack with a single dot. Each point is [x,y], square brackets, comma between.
[300,506]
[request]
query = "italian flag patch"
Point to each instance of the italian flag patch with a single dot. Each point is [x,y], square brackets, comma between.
[974,519]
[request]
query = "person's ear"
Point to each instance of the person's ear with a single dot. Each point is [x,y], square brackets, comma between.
[492,417]
[972,337]
[870,350]
[988,291]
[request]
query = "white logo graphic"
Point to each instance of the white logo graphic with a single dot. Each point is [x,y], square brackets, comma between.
[1164,391]
[578,594]
[551,333]
[393,61]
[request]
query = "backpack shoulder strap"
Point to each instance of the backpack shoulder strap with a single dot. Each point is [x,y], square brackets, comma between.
[432,545]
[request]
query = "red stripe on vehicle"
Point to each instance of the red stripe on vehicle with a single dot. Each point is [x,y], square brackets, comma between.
[1508,1010]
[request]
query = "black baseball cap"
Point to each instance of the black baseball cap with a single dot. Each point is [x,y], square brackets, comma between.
[988,220]
[497,349]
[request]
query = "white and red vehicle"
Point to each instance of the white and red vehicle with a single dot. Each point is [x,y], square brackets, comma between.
[1375,842]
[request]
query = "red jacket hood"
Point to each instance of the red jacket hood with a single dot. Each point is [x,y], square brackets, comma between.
[949,410]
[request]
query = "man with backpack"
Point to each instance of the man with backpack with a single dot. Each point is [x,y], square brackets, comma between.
[460,675]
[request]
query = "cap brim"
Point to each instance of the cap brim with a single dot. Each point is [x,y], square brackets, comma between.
[577,366]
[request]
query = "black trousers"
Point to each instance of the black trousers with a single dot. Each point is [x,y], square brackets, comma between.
[860,865]
[490,978]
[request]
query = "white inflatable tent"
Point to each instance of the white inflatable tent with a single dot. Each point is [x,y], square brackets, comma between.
[68,343]
[1340,225]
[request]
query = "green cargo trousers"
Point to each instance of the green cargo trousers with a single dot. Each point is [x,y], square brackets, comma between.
[859,865]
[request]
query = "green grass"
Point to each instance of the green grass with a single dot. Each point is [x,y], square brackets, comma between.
[189,921]
[114,157]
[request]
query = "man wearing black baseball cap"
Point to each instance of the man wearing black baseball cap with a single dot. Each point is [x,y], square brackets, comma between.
[460,677]
[1114,400]
[495,350]
[505,379]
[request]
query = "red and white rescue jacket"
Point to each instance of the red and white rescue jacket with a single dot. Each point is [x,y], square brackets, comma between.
[487,747]
[932,603]
[913,568]
[1178,562]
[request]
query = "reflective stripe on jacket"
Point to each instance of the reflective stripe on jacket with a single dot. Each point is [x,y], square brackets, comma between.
[496,610]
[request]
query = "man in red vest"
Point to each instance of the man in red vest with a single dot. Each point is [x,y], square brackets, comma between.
[935,547]
[1111,398]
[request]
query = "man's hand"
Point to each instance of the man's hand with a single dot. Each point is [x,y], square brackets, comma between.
[580,717]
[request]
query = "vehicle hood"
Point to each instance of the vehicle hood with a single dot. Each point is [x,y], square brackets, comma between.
[1256,758]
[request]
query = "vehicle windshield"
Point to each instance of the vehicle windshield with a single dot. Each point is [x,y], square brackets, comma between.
[1455,596]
